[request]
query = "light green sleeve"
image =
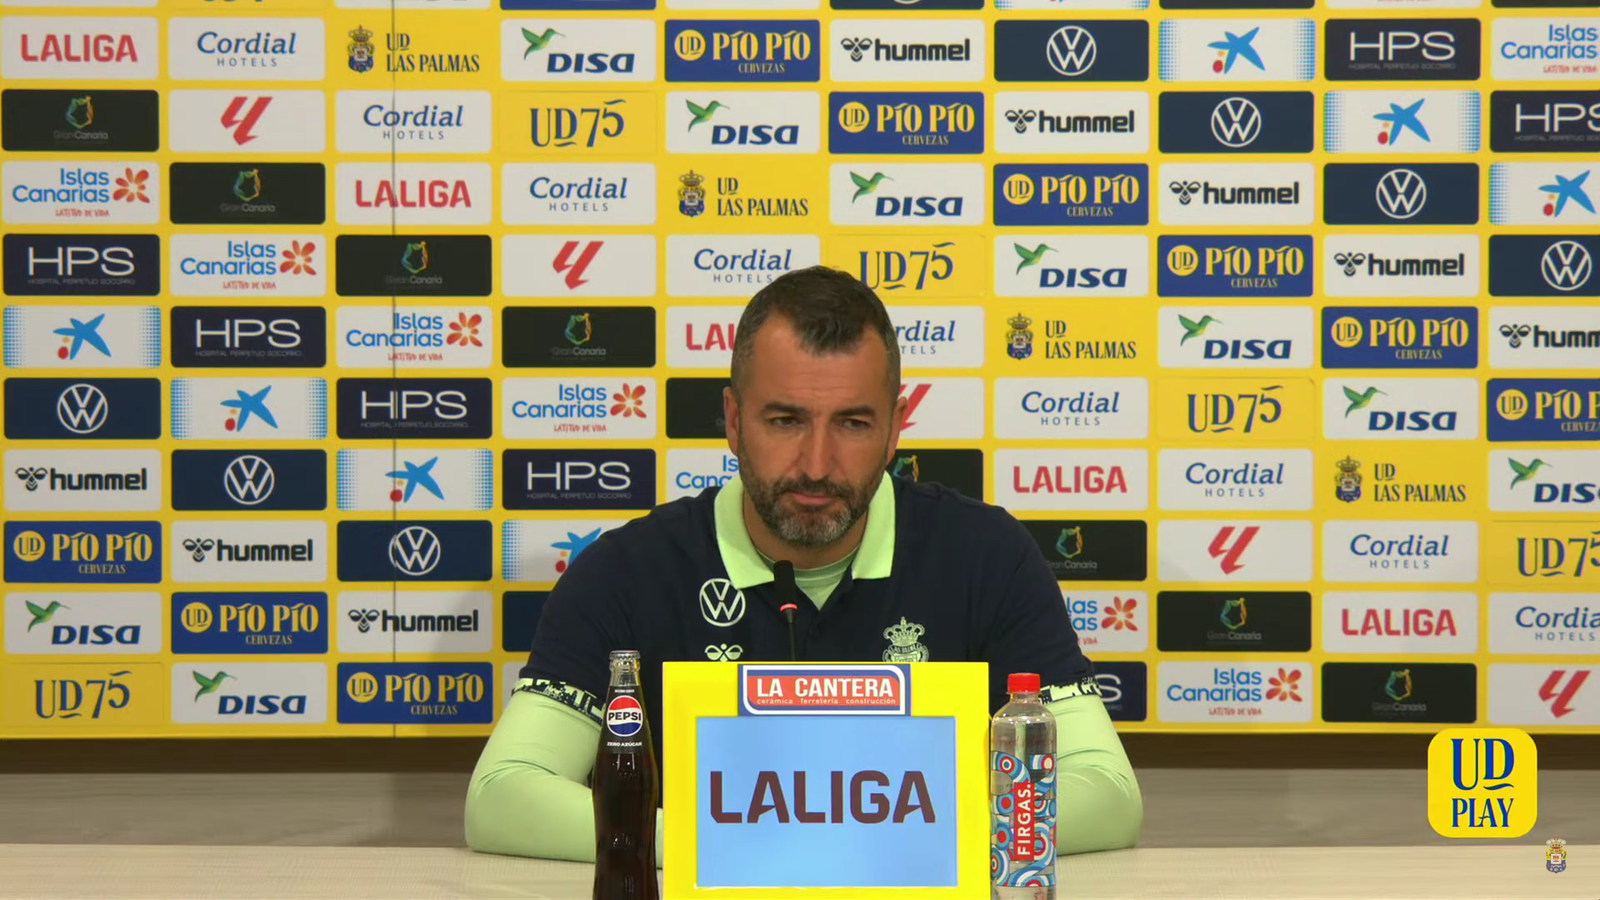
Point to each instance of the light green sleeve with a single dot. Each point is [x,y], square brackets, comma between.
[1098,805]
[528,795]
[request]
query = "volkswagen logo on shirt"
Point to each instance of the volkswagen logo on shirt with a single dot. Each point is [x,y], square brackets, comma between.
[721,604]
[1401,193]
[1071,50]
[1566,266]
[415,550]
[82,408]
[1236,122]
[248,480]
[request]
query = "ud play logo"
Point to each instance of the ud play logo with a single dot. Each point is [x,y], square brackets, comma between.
[1400,265]
[1099,122]
[578,479]
[110,193]
[82,337]
[1046,265]
[578,193]
[249,337]
[1544,337]
[939,337]
[60,622]
[249,409]
[692,470]
[1056,480]
[230,49]
[906,194]
[390,408]
[1399,337]
[281,265]
[252,623]
[764,50]
[547,408]
[93,48]
[578,265]
[1407,622]
[1054,50]
[1400,193]
[425,479]
[1233,550]
[413,121]
[248,121]
[1234,266]
[1543,623]
[542,549]
[1542,194]
[1400,409]
[1212,337]
[905,122]
[80,121]
[248,193]
[256,480]
[83,480]
[413,265]
[250,551]
[418,621]
[1223,50]
[60,552]
[743,121]
[1543,266]
[1402,49]
[1550,49]
[1543,481]
[97,409]
[727,265]
[1070,194]
[1104,408]
[578,50]
[1400,122]
[92,264]
[1543,409]
[1235,480]
[1236,193]
[603,337]
[415,550]
[1400,551]
[235,693]
[412,193]
[443,693]
[435,337]
[881,50]
[1242,122]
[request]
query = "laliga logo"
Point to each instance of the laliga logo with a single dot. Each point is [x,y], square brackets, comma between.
[624,716]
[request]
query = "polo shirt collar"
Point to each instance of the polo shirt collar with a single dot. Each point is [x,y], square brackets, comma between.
[874,558]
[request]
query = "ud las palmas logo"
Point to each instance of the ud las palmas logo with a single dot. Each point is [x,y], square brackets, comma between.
[903,644]
[1019,342]
[692,196]
[1555,855]
[360,48]
[1348,482]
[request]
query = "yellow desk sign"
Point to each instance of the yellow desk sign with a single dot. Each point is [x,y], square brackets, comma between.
[799,779]
[1483,783]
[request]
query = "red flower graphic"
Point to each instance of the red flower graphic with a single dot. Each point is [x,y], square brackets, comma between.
[1119,615]
[628,403]
[1286,686]
[464,330]
[297,259]
[130,186]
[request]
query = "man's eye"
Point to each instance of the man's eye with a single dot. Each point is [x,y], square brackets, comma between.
[783,421]
[857,424]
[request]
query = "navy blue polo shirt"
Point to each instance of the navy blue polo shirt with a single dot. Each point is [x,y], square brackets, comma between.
[938,577]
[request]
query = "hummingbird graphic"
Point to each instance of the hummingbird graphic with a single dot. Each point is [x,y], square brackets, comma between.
[866,186]
[1030,257]
[1358,401]
[703,113]
[43,613]
[1191,328]
[1525,472]
[537,41]
[207,685]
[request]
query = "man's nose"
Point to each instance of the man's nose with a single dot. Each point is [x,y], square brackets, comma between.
[816,454]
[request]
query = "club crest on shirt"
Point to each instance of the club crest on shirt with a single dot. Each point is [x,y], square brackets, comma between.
[903,644]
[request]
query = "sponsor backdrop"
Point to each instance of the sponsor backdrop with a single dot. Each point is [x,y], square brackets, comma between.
[334,330]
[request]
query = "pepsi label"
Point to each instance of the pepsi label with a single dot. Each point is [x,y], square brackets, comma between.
[624,716]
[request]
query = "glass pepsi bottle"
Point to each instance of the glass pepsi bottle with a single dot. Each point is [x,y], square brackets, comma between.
[626,790]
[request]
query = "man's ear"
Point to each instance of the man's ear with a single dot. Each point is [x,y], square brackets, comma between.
[897,417]
[730,418]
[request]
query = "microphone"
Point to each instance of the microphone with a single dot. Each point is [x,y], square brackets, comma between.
[783,577]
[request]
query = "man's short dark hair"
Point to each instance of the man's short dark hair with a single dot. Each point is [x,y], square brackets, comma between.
[828,310]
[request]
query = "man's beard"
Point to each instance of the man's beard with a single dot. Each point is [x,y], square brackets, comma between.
[806,529]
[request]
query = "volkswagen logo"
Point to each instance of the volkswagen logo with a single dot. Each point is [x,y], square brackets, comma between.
[721,604]
[415,550]
[1236,122]
[1566,265]
[249,480]
[82,408]
[1070,50]
[1401,193]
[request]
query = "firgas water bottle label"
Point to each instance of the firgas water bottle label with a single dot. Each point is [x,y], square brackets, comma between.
[1022,849]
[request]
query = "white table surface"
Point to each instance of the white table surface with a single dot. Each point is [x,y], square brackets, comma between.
[128,871]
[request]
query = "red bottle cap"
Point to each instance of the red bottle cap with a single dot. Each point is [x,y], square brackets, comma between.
[1022,683]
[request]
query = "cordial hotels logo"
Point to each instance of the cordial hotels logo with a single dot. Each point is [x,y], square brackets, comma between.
[1551,49]
[905,122]
[1544,337]
[1402,49]
[90,47]
[108,193]
[579,265]
[734,265]
[1543,481]
[230,49]
[1101,122]
[425,336]
[253,551]
[1404,122]
[1543,622]
[1398,409]
[1260,337]
[1400,622]
[743,122]
[1214,50]
[282,409]
[1400,551]
[246,121]
[578,193]
[903,194]
[1105,408]
[1400,265]
[283,265]
[1234,550]
[83,480]
[579,408]
[82,337]
[413,193]
[1235,480]
[883,50]
[1540,194]
[413,121]
[939,337]
[1399,337]
[1236,193]
[1234,692]
[1049,265]
[1072,479]
[578,50]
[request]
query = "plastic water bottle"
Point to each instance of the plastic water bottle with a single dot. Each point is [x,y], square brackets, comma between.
[1022,795]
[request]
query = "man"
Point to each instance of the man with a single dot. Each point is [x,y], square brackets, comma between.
[813,415]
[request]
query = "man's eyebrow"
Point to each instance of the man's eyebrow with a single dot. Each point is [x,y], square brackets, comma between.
[774,406]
